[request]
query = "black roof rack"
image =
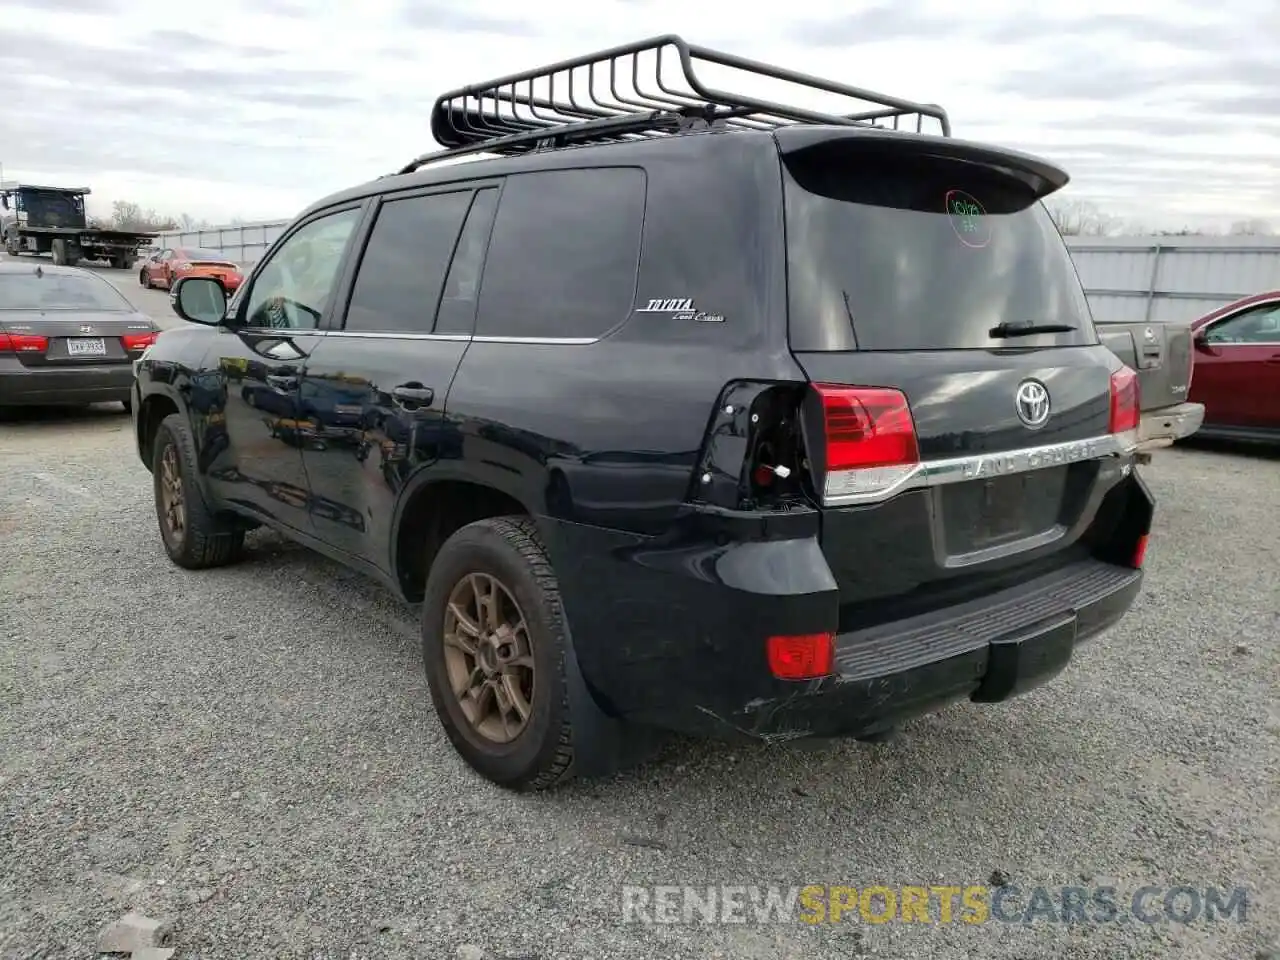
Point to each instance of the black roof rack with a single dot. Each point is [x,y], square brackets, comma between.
[639,91]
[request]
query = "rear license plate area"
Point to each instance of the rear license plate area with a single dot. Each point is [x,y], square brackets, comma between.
[86,347]
[979,514]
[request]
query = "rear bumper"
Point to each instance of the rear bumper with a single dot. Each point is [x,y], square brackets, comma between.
[33,386]
[986,651]
[1160,428]
[670,631]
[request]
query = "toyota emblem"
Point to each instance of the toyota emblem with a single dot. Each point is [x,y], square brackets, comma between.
[1033,403]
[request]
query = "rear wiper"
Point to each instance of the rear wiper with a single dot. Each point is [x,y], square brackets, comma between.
[1025,328]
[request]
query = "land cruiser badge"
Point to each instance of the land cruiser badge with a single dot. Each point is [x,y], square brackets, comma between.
[680,308]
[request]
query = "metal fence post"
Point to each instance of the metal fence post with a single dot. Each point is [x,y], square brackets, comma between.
[1151,284]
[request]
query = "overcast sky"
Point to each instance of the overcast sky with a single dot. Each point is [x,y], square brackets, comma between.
[1163,111]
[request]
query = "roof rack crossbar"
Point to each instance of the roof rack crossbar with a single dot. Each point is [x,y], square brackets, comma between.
[574,102]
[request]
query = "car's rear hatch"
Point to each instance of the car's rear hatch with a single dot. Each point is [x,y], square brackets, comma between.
[952,454]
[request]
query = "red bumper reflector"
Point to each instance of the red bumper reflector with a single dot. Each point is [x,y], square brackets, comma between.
[802,657]
[1140,552]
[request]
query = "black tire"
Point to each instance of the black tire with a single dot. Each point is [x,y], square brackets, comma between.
[510,550]
[127,403]
[142,278]
[208,538]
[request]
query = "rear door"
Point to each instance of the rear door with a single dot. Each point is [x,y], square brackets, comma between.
[941,281]
[63,320]
[375,389]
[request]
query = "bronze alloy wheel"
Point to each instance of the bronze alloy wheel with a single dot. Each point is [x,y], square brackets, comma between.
[172,504]
[488,657]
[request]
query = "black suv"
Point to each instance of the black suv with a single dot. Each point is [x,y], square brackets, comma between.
[687,411]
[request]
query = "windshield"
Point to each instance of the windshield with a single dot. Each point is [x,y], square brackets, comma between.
[59,291]
[894,251]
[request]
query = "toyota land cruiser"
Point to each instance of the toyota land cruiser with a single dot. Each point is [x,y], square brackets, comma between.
[681,409]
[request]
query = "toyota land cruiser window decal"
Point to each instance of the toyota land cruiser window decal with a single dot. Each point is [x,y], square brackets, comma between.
[968,219]
[680,308]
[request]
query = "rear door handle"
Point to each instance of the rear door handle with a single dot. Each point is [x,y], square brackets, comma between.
[1274,358]
[413,395]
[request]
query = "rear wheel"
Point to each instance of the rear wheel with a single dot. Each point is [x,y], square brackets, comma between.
[494,646]
[195,536]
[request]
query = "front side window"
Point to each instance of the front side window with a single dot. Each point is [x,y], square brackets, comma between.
[1260,324]
[295,286]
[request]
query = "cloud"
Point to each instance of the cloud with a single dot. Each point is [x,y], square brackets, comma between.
[457,18]
[1165,108]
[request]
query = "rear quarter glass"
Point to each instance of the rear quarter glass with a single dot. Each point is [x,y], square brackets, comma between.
[888,250]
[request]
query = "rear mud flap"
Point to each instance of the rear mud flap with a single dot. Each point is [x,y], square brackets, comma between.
[602,744]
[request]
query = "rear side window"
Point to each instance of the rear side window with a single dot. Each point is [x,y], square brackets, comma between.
[563,257]
[889,251]
[402,271]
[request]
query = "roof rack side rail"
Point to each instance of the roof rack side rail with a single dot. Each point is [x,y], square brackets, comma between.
[608,96]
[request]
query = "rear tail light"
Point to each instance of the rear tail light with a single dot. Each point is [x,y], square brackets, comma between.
[1139,553]
[23,343]
[802,657]
[870,439]
[1125,409]
[137,341]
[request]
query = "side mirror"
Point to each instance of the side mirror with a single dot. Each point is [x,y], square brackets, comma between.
[199,300]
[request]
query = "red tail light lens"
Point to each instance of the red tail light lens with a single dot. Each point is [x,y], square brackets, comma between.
[1125,409]
[867,427]
[803,657]
[870,439]
[23,343]
[1139,553]
[138,341]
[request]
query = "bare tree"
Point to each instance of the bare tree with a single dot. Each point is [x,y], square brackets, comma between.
[188,222]
[1082,218]
[127,215]
[1254,227]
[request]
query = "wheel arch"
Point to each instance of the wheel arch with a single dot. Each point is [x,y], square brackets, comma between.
[152,410]
[430,510]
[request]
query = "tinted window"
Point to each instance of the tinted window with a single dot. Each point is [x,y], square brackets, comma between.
[59,291]
[295,285]
[457,312]
[1259,324]
[197,253]
[563,257]
[403,267]
[888,251]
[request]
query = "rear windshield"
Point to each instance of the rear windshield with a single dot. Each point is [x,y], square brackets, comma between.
[197,254]
[889,251]
[59,291]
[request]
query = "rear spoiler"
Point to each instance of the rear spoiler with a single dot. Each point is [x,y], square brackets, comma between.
[1040,175]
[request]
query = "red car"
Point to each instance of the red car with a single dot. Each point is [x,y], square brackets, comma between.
[1236,374]
[162,268]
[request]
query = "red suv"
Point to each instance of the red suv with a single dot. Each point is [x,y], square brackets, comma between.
[1236,374]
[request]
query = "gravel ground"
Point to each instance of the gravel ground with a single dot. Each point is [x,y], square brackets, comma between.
[250,754]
